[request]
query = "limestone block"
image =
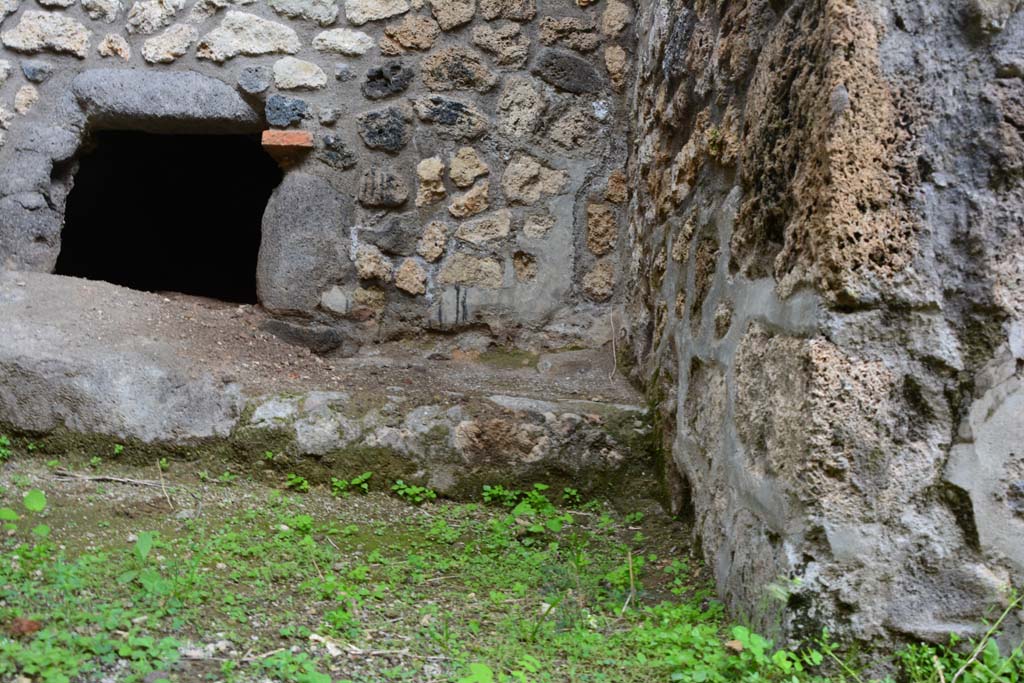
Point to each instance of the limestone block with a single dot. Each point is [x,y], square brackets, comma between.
[471,202]
[413,32]
[169,45]
[433,242]
[106,11]
[517,10]
[521,108]
[452,13]
[149,16]
[323,12]
[25,98]
[431,181]
[599,283]
[343,41]
[615,18]
[297,74]
[487,230]
[602,228]
[371,264]
[466,166]
[114,45]
[465,269]
[411,277]
[510,47]
[571,32]
[359,12]
[246,34]
[48,32]
[527,179]
[457,68]
[7,8]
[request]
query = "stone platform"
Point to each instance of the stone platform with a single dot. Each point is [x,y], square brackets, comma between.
[85,363]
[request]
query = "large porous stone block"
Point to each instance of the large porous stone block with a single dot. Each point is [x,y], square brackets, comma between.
[162,101]
[305,243]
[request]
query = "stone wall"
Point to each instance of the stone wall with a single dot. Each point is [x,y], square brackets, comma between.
[448,165]
[822,269]
[825,292]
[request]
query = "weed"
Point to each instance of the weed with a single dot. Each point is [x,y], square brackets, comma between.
[634,517]
[501,495]
[359,483]
[571,496]
[414,494]
[5,447]
[296,483]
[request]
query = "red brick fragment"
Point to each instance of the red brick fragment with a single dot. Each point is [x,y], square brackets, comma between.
[287,147]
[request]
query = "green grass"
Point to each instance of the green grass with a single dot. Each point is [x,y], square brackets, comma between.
[256,584]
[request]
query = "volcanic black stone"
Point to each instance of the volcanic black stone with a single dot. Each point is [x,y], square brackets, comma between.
[285,111]
[329,116]
[390,78]
[336,153]
[458,120]
[568,72]
[1015,497]
[36,70]
[343,72]
[382,187]
[254,79]
[386,129]
[317,338]
[398,237]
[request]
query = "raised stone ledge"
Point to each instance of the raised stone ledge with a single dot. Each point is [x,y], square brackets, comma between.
[135,374]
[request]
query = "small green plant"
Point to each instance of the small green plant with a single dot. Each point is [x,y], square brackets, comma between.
[163,464]
[226,477]
[714,139]
[144,545]
[118,449]
[296,483]
[501,495]
[571,496]
[5,447]
[634,517]
[479,673]
[268,455]
[361,483]
[414,494]
[34,501]
[95,461]
[204,475]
